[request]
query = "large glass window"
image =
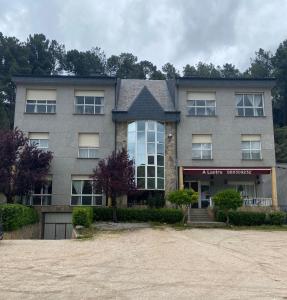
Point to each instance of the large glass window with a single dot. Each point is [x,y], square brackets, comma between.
[146,146]
[251,147]
[250,105]
[84,193]
[201,146]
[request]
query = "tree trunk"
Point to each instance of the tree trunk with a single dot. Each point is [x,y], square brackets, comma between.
[114,205]
[9,199]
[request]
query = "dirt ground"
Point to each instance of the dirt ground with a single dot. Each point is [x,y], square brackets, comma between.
[148,264]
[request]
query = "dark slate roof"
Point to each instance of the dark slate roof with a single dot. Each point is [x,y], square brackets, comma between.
[64,79]
[144,100]
[226,82]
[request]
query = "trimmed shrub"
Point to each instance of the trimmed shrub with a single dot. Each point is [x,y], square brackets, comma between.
[220,216]
[163,215]
[244,218]
[277,218]
[156,202]
[183,197]
[15,216]
[228,199]
[82,216]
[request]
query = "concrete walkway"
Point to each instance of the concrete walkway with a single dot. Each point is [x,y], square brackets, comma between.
[148,264]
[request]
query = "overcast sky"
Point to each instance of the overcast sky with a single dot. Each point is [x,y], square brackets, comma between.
[176,31]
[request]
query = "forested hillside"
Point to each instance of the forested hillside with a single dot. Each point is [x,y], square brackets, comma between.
[41,56]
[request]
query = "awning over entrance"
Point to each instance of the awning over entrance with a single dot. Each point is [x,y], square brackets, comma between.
[226,171]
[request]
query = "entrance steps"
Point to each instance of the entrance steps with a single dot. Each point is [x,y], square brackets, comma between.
[198,215]
[199,218]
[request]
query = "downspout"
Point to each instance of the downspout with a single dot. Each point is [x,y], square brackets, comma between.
[176,139]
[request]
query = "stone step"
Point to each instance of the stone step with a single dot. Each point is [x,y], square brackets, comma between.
[198,215]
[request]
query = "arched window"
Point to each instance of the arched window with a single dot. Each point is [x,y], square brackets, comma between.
[146,146]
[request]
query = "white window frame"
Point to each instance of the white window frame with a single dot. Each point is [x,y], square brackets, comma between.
[42,195]
[250,149]
[205,106]
[253,107]
[89,149]
[201,151]
[36,103]
[37,143]
[84,105]
[93,195]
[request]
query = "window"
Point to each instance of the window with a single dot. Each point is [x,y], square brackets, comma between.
[88,145]
[250,105]
[84,192]
[251,147]
[40,140]
[146,147]
[201,146]
[89,102]
[201,104]
[247,189]
[41,195]
[41,101]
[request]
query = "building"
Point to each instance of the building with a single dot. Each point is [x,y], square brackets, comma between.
[200,133]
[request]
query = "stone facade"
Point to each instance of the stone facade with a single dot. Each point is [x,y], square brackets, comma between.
[170,157]
[121,136]
[25,233]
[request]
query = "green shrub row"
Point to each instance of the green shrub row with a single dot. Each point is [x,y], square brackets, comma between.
[162,215]
[15,216]
[82,216]
[244,218]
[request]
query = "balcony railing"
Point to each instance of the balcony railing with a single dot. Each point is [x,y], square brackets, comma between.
[257,201]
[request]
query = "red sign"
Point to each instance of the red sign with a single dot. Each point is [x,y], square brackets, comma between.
[226,171]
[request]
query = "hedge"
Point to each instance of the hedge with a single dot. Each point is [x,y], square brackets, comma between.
[15,216]
[163,215]
[82,216]
[244,218]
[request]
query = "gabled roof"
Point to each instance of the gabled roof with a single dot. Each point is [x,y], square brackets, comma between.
[144,100]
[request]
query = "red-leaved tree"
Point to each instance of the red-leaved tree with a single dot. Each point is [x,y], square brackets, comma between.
[21,165]
[115,176]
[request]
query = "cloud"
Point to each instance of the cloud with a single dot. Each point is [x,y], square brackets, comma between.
[180,32]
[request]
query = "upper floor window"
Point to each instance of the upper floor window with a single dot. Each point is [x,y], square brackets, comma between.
[88,145]
[250,105]
[84,192]
[251,147]
[201,146]
[201,104]
[89,102]
[40,140]
[41,101]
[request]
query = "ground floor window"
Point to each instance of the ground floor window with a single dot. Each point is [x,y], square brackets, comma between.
[84,193]
[246,189]
[41,195]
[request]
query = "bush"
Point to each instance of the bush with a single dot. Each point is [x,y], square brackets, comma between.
[156,201]
[183,197]
[163,215]
[220,216]
[277,218]
[228,199]
[15,216]
[82,216]
[244,218]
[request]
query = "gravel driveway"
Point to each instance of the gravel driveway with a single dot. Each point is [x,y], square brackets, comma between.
[148,264]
